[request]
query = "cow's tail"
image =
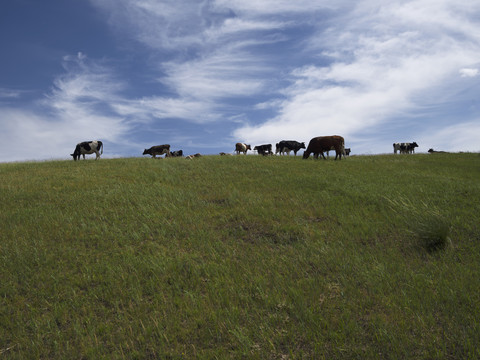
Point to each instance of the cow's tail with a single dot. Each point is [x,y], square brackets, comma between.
[343,149]
[101,147]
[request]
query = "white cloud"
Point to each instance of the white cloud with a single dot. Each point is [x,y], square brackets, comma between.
[76,109]
[389,59]
[469,72]
[457,137]
[320,67]
[216,76]
[40,137]
[9,93]
[272,7]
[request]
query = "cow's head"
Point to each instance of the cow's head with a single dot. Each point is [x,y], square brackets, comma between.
[146,152]
[248,147]
[302,145]
[76,153]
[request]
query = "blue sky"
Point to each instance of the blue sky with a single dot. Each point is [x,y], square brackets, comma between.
[203,75]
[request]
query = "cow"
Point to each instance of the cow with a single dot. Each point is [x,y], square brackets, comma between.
[241,147]
[87,147]
[178,153]
[411,148]
[264,149]
[289,145]
[190,157]
[157,150]
[404,148]
[225,154]
[347,152]
[318,145]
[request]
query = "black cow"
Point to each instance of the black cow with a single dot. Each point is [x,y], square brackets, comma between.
[157,150]
[178,153]
[289,145]
[87,147]
[264,149]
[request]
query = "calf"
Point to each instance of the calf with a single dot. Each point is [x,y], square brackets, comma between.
[318,145]
[264,149]
[157,150]
[241,147]
[347,152]
[87,147]
[190,157]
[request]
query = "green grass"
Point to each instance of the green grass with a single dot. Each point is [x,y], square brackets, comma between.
[241,257]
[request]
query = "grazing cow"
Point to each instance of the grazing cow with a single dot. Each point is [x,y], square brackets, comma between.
[178,153]
[289,145]
[157,150]
[347,152]
[264,149]
[318,145]
[241,147]
[87,147]
[405,148]
[224,154]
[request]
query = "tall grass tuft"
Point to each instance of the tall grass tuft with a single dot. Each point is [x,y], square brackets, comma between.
[429,228]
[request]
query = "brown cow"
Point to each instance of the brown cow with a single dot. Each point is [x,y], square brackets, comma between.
[241,147]
[158,150]
[325,143]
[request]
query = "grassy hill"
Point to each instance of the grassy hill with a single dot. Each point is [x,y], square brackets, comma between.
[241,257]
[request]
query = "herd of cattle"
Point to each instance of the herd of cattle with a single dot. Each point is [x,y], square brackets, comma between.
[317,146]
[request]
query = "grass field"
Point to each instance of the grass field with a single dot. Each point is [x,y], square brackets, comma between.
[241,257]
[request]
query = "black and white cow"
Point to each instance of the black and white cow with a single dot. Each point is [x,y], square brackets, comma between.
[289,145]
[178,153]
[88,147]
[405,148]
[264,149]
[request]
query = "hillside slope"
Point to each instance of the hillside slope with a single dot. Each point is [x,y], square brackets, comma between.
[242,256]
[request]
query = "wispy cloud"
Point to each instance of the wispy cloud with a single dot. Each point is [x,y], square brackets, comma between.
[265,71]
[469,72]
[387,60]
[10,93]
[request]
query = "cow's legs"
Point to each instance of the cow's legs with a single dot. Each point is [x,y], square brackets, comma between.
[97,155]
